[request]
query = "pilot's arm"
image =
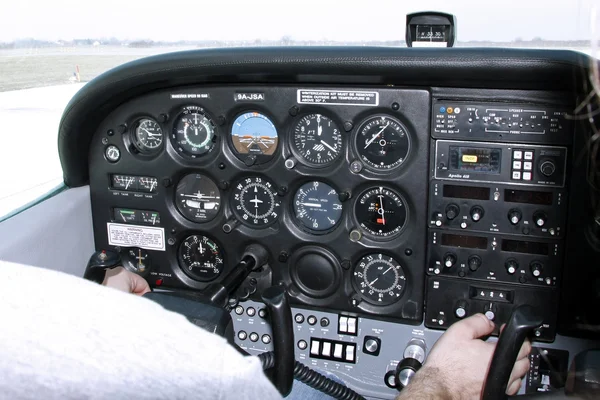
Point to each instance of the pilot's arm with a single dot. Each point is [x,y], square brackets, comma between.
[67,338]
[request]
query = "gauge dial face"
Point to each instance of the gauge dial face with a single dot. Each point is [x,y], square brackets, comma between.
[379,279]
[136,260]
[381,212]
[254,134]
[197,198]
[148,135]
[317,207]
[317,139]
[382,143]
[194,132]
[255,202]
[200,258]
[148,184]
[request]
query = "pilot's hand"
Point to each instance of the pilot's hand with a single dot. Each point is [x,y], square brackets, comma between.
[121,279]
[459,361]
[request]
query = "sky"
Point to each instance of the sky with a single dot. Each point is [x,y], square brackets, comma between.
[173,20]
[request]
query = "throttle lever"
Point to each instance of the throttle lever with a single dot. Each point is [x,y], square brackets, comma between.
[280,312]
[522,321]
[99,262]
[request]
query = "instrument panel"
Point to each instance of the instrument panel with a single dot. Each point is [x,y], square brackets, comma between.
[331,180]
[384,209]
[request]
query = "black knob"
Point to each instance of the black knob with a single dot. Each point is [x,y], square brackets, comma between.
[515,216]
[547,168]
[536,268]
[461,309]
[452,211]
[449,260]
[474,263]
[540,218]
[476,213]
[511,266]
[489,310]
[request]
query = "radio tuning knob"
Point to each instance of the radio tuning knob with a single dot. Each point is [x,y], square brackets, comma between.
[511,266]
[474,263]
[547,168]
[536,268]
[514,216]
[452,211]
[476,213]
[540,218]
[449,260]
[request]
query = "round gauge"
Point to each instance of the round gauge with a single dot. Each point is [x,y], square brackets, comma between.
[135,259]
[381,212]
[254,137]
[255,201]
[197,198]
[200,258]
[379,279]
[317,206]
[382,143]
[148,135]
[317,139]
[194,132]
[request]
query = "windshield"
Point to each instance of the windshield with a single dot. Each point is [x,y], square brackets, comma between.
[48,50]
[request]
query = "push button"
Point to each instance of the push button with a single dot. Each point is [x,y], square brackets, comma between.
[527,165]
[528,155]
[517,154]
[526,176]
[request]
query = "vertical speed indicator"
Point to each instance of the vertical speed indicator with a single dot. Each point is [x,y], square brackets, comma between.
[382,143]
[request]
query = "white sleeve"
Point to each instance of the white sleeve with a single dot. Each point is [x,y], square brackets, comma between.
[62,337]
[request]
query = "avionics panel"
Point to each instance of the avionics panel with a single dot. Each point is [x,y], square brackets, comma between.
[498,211]
[524,123]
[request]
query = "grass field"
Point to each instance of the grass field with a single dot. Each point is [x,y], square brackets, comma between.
[36,71]
[31,68]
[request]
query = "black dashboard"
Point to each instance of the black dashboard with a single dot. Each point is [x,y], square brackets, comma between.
[391,188]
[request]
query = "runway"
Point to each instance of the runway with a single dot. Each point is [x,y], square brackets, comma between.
[29,163]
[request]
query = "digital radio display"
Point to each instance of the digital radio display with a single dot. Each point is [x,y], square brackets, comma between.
[522,246]
[529,197]
[466,192]
[475,159]
[471,242]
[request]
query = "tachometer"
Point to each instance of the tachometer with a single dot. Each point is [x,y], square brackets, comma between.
[194,132]
[382,143]
[317,139]
[254,137]
[381,212]
[200,258]
[148,135]
[317,206]
[197,198]
[379,279]
[255,202]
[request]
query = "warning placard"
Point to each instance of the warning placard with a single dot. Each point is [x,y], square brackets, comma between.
[145,237]
[338,97]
